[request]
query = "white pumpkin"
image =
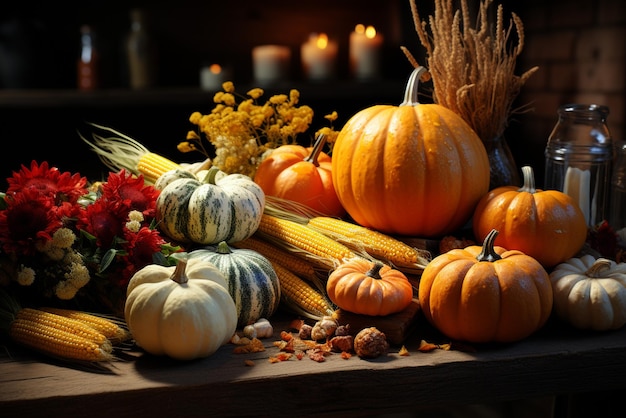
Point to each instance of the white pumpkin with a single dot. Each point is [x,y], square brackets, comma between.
[184,312]
[590,293]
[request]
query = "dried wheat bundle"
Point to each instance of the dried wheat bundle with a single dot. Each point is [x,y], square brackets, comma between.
[472,68]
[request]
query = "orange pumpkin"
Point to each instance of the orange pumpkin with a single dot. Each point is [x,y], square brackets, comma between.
[547,225]
[486,294]
[369,288]
[414,169]
[302,175]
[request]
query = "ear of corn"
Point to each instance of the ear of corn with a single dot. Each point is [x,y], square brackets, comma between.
[375,243]
[56,342]
[64,324]
[304,241]
[278,255]
[152,166]
[111,330]
[301,297]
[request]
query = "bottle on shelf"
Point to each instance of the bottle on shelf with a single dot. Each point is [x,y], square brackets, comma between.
[88,71]
[141,53]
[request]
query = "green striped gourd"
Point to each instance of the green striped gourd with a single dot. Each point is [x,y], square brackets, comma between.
[221,207]
[252,281]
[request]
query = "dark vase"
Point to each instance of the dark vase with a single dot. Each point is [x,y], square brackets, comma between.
[503,169]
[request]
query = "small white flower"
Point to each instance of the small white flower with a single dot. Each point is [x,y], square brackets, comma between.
[25,276]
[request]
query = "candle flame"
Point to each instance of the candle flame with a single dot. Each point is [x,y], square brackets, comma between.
[360,29]
[215,68]
[370,32]
[322,41]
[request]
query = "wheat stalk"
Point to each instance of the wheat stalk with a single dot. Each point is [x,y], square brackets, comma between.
[472,68]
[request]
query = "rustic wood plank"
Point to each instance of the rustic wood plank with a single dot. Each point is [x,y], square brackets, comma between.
[555,361]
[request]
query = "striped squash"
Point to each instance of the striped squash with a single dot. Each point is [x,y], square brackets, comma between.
[252,281]
[218,208]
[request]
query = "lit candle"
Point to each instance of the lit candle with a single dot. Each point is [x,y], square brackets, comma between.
[318,57]
[365,46]
[213,76]
[271,63]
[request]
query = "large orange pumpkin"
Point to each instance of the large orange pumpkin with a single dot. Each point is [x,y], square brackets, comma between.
[485,294]
[545,224]
[302,175]
[414,169]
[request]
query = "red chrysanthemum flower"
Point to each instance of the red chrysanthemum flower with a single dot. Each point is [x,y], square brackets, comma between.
[140,247]
[102,222]
[131,192]
[48,181]
[28,218]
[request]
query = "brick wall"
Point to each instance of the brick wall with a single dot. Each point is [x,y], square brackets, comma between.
[580,48]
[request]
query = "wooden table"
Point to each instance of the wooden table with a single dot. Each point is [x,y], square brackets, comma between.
[556,361]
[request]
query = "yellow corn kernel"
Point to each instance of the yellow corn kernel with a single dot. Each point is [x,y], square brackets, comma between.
[375,243]
[114,332]
[300,296]
[64,324]
[278,255]
[152,166]
[300,239]
[56,342]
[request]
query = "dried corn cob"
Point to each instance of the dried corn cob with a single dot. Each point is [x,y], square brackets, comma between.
[111,330]
[298,295]
[297,265]
[304,241]
[65,324]
[152,166]
[375,243]
[56,342]
[123,152]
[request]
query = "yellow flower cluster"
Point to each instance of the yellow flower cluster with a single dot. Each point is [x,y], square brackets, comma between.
[242,133]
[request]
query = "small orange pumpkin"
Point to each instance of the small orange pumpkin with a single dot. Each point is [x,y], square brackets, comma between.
[414,169]
[485,294]
[302,175]
[547,225]
[370,288]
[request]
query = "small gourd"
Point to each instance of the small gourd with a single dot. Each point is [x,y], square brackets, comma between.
[485,294]
[369,288]
[590,293]
[184,312]
[220,207]
[251,280]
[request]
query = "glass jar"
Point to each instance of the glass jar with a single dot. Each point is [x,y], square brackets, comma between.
[578,158]
[617,216]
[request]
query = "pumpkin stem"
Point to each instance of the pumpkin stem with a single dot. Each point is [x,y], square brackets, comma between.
[374,272]
[317,148]
[599,268]
[223,248]
[210,175]
[488,253]
[529,180]
[411,90]
[179,275]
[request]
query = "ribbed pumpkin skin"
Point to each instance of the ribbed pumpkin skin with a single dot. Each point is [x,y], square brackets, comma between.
[547,225]
[189,210]
[413,170]
[351,288]
[482,301]
[286,174]
[252,281]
